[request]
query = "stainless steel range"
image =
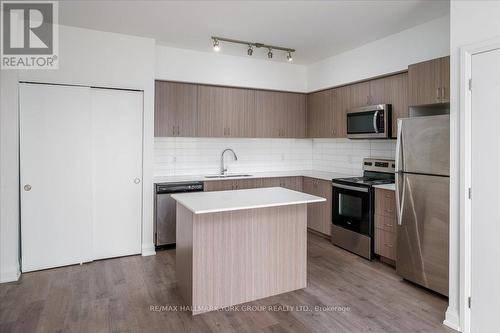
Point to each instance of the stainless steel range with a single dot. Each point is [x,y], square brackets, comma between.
[353,206]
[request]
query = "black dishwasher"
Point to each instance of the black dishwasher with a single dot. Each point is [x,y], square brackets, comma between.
[165,207]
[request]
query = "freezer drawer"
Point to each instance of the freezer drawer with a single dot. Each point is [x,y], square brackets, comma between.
[424,145]
[423,230]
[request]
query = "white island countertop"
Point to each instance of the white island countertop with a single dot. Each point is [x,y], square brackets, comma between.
[223,201]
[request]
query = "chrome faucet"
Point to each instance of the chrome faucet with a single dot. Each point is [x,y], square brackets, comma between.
[222,168]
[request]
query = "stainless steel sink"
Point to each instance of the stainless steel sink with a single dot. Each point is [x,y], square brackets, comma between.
[227,176]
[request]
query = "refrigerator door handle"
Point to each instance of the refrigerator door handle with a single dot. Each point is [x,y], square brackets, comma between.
[400,192]
[399,144]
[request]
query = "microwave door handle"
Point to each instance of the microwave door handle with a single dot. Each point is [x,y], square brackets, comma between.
[375,123]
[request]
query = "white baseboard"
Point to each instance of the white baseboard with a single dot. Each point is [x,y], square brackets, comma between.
[148,250]
[10,275]
[452,319]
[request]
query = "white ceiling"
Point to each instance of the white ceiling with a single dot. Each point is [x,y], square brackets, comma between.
[316,29]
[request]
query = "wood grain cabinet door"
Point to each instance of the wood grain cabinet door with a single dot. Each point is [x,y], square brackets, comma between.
[444,79]
[359,95]
[218,185]
[320,114]
[392,90]
[319,215]
[424,85]
[211,111]
[294,116]
[269,106]
[291,183]
[175,109]
[341,98]
[239,112]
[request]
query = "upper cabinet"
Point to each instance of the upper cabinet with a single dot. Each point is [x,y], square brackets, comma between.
[391,90]
[360,95]
[183,109]
[175,109]
[340,100]
[429,82]
[280,114]
[224,111]
[320,114]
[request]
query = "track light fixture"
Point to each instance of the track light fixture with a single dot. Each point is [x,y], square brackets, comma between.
[216,44]
[252,45]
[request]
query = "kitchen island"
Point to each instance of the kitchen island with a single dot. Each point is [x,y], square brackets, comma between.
[238,246]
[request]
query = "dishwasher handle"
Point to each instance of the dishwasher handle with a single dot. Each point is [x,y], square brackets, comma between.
[178,188]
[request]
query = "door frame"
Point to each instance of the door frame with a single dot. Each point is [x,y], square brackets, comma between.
[466,54]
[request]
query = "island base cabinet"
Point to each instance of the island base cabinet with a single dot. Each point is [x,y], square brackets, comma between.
[228,258]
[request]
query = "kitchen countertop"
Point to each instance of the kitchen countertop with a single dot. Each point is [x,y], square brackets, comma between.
[223,201]
[391,187]
[306,173]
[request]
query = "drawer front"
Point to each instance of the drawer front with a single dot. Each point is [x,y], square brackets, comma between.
[385,203]
[387,223]
[385,243]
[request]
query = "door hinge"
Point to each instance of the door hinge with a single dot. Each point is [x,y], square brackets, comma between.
[470,193]
[469,302]
[470,84]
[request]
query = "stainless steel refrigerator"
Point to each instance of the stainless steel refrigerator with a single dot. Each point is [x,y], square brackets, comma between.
[422,200]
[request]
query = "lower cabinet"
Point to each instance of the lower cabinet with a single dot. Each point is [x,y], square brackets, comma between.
[319,215]
[385,224]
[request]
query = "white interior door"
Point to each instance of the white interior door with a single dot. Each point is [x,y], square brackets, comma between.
[56,190]
[485,277]
[117,172]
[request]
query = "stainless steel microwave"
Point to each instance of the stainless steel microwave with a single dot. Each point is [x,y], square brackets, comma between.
[369,122]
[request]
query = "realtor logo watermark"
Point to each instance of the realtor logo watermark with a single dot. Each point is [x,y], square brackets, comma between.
[30,35]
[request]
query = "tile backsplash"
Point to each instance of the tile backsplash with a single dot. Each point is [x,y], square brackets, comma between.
[184,156]
[190,156]
[346,156]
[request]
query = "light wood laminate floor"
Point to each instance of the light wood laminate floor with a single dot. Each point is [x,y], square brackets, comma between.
[116,296]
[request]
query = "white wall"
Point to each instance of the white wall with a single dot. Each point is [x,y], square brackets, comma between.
[471,21]
[387,55]
[86,57]
[9,177]
[217,68]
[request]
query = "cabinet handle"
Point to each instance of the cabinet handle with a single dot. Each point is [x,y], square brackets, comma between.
[229,131]
[173,130]
[388,225]
[438,93]
[178,132]
[388,245]
[388,210]
[442,92]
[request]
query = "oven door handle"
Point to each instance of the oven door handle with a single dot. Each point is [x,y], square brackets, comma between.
[375,122]
[352,188]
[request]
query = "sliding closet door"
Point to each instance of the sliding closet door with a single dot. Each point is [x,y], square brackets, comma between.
[56,183]
[117,172]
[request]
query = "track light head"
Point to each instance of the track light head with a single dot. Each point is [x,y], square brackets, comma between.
[289,56]
[216,45]
[250,50]
[270,53]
